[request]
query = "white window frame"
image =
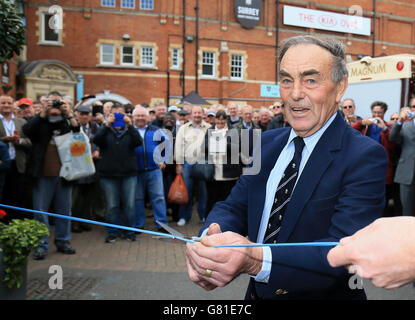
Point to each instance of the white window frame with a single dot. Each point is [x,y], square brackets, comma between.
[102,54]
[44,24]
[142,63]
[213,64]
[175,58]
[146,8]
[242,66]
[108,5]
[124,6]
[122,55]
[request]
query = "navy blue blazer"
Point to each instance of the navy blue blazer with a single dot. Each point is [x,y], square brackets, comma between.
[341,190]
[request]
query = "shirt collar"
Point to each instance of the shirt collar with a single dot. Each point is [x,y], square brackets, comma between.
[311,141]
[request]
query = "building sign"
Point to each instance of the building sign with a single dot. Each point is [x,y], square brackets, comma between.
[248,12]
[381,68]
[270,91]
[325,20]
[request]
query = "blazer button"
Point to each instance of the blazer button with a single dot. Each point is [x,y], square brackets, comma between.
[253,297]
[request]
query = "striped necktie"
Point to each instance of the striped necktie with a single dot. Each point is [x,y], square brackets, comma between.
[283,193]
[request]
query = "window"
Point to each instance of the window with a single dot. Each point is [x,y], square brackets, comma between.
[147,56]
[146,4]
[175,58]
[237,66]
[107,54]
[49,34]
[127,55]
[208,64]
[128,4]
[108,3]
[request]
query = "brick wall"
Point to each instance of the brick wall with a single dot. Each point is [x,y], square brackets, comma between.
[86,24]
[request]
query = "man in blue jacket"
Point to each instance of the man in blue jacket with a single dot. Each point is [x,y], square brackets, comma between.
[150,166]
[313,187]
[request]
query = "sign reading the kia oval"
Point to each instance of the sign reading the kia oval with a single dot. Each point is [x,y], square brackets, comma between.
[248,12]
[325,20]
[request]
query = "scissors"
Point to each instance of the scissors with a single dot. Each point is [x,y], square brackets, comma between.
[175,236]
[178,237]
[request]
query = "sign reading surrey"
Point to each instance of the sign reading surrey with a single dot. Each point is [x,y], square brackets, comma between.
[248,12]
[326,20]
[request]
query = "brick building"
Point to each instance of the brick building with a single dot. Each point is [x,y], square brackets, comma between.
[145,51]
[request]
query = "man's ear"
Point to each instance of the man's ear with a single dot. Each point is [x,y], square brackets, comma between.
[341,88]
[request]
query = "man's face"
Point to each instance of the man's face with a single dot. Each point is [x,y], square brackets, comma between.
[37,107]
[27,111]
[264,116]
[232,110]
[348,108]
[54,111]
[197,114]
[6,105]
[277,108]
[310,96]
[394,119]
[161,111]
[84,117]
[246,115]
[378,112]
[140,118]
[412,105]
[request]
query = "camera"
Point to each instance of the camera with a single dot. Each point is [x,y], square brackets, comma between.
[56,103]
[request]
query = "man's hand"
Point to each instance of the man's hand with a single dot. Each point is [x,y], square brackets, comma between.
[225,263]
[384,252]
[111,119]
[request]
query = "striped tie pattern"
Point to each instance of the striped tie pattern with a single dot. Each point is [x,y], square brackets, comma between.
[283,193]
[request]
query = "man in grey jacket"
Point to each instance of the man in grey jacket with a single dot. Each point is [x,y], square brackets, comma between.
[403,133]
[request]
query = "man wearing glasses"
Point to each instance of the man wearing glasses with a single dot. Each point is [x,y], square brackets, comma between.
[278,120]
[348,109]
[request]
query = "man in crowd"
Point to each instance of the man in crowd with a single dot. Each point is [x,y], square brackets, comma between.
[312,186]
[348,108]
[188,144]
[19,147]
[161,110]
[150,176]
[26,105]
[377,129]
[86,191]
[278,121]
[233,114]
[55,119]
[403,134]
[118,170]
[264,119]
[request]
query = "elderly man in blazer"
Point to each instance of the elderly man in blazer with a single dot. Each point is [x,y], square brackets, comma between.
[403,133]
[327,191]
[19,146]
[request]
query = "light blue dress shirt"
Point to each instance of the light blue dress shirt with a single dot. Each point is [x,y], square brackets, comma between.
[273,180]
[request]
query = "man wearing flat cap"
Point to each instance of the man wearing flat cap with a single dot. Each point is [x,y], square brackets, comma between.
[86,191]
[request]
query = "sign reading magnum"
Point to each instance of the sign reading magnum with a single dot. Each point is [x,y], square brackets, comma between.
[248,12]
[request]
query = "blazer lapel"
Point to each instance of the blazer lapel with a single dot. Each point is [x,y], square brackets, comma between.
[317,164]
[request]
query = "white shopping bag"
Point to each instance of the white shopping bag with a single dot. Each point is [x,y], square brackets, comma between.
[74,151]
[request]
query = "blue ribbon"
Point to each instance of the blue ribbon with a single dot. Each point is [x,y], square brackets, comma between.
[165,235]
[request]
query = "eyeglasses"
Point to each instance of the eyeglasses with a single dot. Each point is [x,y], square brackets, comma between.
[347,107]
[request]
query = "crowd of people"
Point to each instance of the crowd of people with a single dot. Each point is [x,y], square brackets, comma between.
[132,171]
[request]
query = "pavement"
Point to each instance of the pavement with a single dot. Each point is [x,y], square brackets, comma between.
[147,269]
